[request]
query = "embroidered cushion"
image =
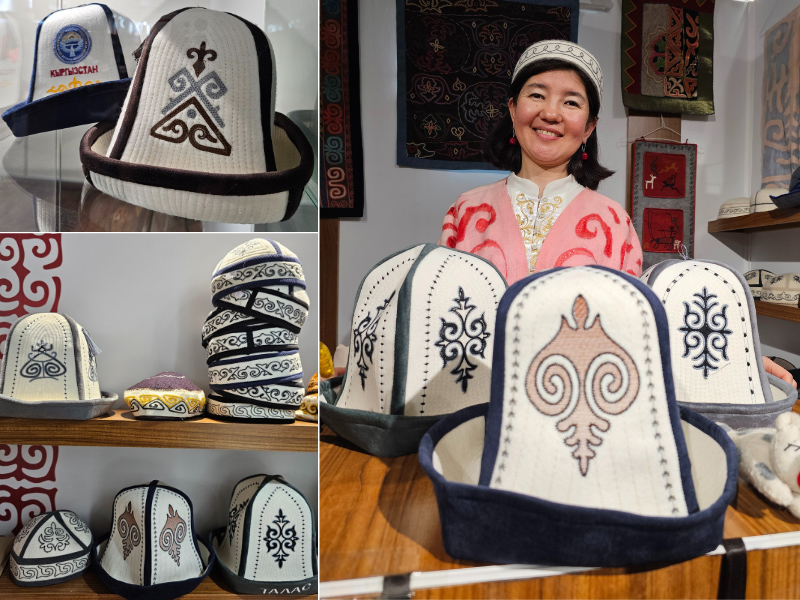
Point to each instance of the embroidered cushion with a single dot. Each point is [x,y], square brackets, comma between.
[734,208]
[761,201]
[582,440]
[756,280]
[152,550]
[83,59]
[167,395]
[49,371]
[782,289]
[51,548]
[716,353]
[198,136]
[420,347]
[269,544]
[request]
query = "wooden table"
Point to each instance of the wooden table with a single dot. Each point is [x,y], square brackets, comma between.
[379,516]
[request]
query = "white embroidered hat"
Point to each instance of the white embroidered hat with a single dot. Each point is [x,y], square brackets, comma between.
[566,51]
[167,395]
[734,208]
[756,279]
[198,136]
[82,64]
[152,550]
[420,347]
[761,201]
[52,548]
[49,371]
[269,546]
[716,352]
[782,289]
[582,455]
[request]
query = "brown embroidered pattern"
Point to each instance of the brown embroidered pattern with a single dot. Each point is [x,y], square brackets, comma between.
[201,52]
[128,531]
[584,373]
[172,535]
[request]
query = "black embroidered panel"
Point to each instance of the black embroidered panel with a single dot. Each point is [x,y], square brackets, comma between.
[462,337]
[282,539]
[705,330]
[364,340]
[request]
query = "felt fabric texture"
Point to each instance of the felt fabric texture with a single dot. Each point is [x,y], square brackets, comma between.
[568,52]
[286,395]
[265,508]
[51,548]
[592,229]
[483,523]
[255,339]
[81,67]
[790,198]
[762,200]
[49,371]
[782,289]
[167,395]
[229,409]
[756,280]
[735,207]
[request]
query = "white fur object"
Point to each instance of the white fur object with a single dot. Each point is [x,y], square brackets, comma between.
[782,289]
[634,465]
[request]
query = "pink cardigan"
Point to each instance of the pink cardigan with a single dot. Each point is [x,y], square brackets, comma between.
[592,230]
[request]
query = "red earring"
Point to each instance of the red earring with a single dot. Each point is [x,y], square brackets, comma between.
[513,139]
[584,155]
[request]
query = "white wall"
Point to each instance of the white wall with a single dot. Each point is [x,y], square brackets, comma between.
[406,206]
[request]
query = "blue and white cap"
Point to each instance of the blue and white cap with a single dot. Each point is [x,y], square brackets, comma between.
[82,66]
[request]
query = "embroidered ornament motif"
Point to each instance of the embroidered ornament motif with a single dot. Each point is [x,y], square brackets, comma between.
[705,331]
[600,378]
[53,538]
[233,516]
[172,535]
[75,522]
[461,338]
[92,354]
[42,363]
[364,340]
[129,531]
[282,540]
[72,44]
[75,83]
[193,104]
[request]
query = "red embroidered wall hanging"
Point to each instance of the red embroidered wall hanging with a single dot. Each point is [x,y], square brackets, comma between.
[664,175]
[663,230]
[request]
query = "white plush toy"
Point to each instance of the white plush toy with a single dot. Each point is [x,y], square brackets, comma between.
[769,460]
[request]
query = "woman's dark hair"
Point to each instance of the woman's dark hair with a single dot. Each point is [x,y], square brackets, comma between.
[496,149]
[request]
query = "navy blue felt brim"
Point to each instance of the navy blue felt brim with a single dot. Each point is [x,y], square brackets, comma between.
[790,200]
[81,106]
[485,524]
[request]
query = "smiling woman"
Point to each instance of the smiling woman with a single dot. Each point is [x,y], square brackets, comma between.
[546,213]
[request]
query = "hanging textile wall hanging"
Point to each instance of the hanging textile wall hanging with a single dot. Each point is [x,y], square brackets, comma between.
[342,179]
[454,66]
[781,108]
[667,56]
[662,197]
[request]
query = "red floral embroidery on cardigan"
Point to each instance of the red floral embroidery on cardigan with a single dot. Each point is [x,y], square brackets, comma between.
[582,231]
[613,214]
[463,223]
[574,252]
[495,246]
[626,247]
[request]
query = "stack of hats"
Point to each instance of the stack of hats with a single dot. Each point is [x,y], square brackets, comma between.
[782,289]
[756,279]
[251,336]
[166,396]
[50,371]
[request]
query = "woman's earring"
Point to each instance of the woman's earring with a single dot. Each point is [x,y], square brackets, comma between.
[584,156]
[513,139]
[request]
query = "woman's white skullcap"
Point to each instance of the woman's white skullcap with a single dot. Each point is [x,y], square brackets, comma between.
[566,51]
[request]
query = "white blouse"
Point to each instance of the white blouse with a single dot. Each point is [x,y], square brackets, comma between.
[535,216]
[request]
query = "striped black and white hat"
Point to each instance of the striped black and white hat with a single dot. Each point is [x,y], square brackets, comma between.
[251,337]
[420,347]
[152,550]
[82,65]
[199,136]
[52,547]
[49,371]
[269,546]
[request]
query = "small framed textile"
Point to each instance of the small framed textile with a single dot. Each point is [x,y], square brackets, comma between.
[663,198]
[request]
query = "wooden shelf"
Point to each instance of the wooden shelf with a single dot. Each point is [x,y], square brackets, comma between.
[777,311]
[88,586]
[781,218]
[121,429]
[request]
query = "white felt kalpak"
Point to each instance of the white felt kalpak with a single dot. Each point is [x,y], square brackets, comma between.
[226,407]
[252,252]
[716,353]
[255,370]
[756,280]
[735,207]
[782,289]
[265,274]
[266,303]
[267,335]
[51,548]
[220,321]
[49,371]
[761,201]
[198,135]
[275,395]
[270,536]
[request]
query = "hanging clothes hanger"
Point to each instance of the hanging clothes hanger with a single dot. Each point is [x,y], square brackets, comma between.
[646,137]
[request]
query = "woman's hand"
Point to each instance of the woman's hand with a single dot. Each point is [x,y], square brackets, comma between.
[771,366]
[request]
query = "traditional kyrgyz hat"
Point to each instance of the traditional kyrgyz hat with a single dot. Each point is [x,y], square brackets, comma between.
[782,289]
[269,546]
[51,548]
[167,395]
[81,70]
[734,208]
[566,51]
[761,201]
[50,371]
[791,197]
[152,550]
[420,347]
[582,440]
[716,353]
[756,280]
[198,136]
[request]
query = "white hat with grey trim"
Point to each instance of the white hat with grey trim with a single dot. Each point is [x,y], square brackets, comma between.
[269,546]
[782,289]
[52,548]
[50,371]
[199,136]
